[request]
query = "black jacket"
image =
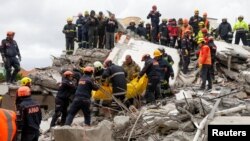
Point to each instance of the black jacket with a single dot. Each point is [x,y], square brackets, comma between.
[9,48]
[101,26]
[141,31]
[164,31]
[80,23]
[66,89]
[151,68]
[224,28]
[85,86]
[92,22]
[69,30]
[194,22]
[155,18]
[131,28]
[117,77]
[30,114]
[111,25]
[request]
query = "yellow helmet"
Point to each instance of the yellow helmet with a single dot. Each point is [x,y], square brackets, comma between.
[157,53]
[69,19]
[196,11]
[201,23]
[26,81]
[200,40]
[86,13]
[165,20]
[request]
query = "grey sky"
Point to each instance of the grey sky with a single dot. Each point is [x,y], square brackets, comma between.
[38,23]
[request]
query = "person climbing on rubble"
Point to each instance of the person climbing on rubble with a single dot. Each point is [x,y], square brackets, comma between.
[170,72]
[241,28]
[117,77]
[164,33]
[131,68]
[154,15]
[204,63]
[85,29]
[92,23]
[70,34]
[225,30]
[141,30]
[82,97]
[8,125]
[29,115]
[101,30]
[173,32]
[186,44]
[194,22]
[79,24]
[151,69]
[66,90]
[111,25]
[148,32]
[10,51]
[132,27]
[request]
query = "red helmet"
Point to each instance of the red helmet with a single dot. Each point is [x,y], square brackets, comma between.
[154,7]
[88,69]
[204,30]
[68,73]
[10,33]
[144,57]
[23,91]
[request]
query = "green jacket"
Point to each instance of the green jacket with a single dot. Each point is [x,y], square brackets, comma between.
[240,26]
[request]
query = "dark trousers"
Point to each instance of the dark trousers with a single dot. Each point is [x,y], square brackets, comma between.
[165,42]
[79,37]
[92,34]
[110,40]
[60,110]
[85,40]
[155,31]
[101,41]
[242,36]
[30,136]
[206,76]
[186,62]
[79,104]
[173,41]
[225,38]
[11,62]
[70,45]
[153,90]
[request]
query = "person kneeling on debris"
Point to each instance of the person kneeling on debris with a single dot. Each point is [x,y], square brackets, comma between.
[82,97]
[29,115]
[151,68]
[205,64]
[66,90]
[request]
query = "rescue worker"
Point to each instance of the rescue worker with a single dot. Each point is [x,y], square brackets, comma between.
[8,125]
[206,21]
[154,15]
[225,30]
[117,77]
[248,35]
[9,52]
[194,21]
[241,28]
[66,90]
[148,32]
[79,24]
[164,33]
[141,30]
[200,34]
[179,25]
[82,97]
[70,33]
[101,30]
[26,81]
[111,25]
[205,64]
[185,50]
[170,71]
[131,68]
[85,29]
[151,68]
[173,32]
[184,28]
[29,115]
[213,49]
[98,70]
[132,27]
[92,29]
[180,22]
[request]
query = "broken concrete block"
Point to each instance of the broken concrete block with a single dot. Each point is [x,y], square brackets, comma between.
[241,95]
[167,126]
[120,122]
[183,95]
[187,127]
[101,132]
[4,89]
[169,107]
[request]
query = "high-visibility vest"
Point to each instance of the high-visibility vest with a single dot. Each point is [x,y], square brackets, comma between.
[7,125]
[205,55]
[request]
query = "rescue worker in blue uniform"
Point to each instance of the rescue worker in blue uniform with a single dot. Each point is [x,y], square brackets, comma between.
[155,20]
[85,28]
[9,52]
[79,24]
[141,30]
[66,90]
[151,68]
[186,44]
[92,29]
[82,97]
[29,115]
[70,34]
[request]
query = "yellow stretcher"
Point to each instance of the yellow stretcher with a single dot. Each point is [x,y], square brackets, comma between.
[134,88]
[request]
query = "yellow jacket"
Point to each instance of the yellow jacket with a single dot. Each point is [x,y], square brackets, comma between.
[240,26]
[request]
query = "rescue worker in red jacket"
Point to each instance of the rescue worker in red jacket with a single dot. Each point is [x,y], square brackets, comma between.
[29,115]
[66,90]
[8,125]
[151,68]
[82,97]
[173,32]
[205,64]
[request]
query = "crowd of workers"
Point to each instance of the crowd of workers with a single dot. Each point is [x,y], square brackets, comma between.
[90,31]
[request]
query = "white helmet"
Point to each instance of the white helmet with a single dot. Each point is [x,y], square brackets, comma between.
[98,64]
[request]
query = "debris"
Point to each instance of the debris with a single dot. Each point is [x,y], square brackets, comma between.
[121,122]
